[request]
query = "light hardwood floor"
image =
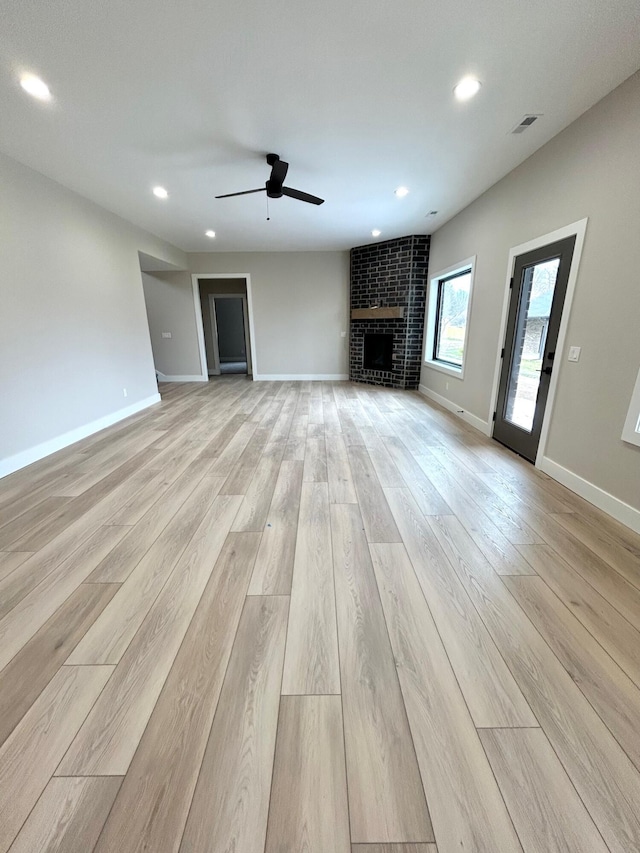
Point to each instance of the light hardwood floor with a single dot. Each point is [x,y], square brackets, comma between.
[312,617]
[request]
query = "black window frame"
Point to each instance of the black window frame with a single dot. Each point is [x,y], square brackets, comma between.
[436,326]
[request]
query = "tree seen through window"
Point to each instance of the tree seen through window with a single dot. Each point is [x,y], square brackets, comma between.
[451,319]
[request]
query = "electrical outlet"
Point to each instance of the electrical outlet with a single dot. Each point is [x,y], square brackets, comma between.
[124,392]
[343,334]
[166,334]
[447,386]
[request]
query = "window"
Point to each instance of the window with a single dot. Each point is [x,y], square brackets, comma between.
[631,431]
[448,313]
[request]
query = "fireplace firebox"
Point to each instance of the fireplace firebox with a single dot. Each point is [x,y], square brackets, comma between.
[378,352]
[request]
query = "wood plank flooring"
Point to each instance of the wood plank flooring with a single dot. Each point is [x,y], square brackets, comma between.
[312,617]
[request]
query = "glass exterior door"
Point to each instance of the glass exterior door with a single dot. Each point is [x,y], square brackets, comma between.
[538,289]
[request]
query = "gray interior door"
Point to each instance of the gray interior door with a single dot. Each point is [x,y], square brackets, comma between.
[538,289]
[231,332]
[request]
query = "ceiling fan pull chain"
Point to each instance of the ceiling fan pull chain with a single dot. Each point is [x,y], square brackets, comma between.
[268,217]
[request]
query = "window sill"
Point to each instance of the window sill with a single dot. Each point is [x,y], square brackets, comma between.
[458,372]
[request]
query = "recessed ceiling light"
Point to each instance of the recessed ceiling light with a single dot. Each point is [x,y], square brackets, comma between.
[35,87]
[160,192]
[376,233]
[211,234]
[467,88]
[401,192]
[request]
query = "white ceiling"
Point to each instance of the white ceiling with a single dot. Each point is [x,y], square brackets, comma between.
[355,95]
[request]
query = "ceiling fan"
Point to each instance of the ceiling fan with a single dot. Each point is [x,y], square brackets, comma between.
[274,186]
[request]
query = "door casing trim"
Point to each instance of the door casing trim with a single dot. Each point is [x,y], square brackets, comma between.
[200,326]
[578,229]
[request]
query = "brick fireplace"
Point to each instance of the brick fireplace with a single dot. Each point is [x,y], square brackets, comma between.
[388,291]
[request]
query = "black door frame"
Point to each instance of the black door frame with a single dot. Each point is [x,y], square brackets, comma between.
[522,441]
[578,230]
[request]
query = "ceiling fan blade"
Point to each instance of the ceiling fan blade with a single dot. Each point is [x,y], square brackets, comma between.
[245,192]
[312,199]
[279,172]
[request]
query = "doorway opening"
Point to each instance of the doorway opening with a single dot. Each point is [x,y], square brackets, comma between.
[542,280]
[225,328]
[228,334]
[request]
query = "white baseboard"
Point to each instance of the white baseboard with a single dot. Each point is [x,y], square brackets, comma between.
[300,377]
[472,420]
[613,506]
[196,377]
[33,454]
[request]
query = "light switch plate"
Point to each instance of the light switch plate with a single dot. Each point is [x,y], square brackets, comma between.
[166,334]
[574,353]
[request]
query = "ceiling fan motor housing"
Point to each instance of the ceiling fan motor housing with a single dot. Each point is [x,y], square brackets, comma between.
[274,190]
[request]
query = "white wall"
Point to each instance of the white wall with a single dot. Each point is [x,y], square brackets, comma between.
[169,311]
[591,170]
[300,308]
[73,327]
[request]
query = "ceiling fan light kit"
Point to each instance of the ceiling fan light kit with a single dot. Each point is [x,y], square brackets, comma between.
[275,188]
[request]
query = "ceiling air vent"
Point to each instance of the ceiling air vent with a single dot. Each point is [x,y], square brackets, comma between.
[526,123]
